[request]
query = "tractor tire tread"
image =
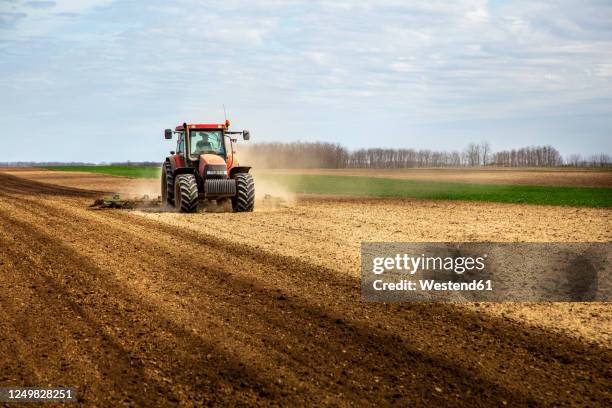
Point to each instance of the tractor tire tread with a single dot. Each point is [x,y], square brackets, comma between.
[169,184]
[244,201]
[188,187]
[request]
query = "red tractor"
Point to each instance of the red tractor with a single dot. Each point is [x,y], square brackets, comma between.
[205,167]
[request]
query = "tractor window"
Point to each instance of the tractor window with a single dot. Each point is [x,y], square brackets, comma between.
[180,143]
[207,141]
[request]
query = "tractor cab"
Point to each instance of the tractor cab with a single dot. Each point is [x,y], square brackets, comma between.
[206,156]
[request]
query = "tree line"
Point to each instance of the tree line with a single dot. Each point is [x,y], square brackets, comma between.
[300,155]
[305,155]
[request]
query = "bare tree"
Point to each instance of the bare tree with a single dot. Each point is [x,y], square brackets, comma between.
[485,151]
[472,155]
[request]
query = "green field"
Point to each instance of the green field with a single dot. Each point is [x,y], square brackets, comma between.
[381,187]
[126,171]
[359,186]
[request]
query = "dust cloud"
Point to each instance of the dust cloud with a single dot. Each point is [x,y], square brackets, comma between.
[269,193]
[138,188]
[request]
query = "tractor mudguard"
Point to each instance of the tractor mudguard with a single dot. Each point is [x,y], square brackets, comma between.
[238,169]
[184,170]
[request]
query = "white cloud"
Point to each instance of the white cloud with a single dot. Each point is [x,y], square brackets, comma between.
[478,14]
[415,61]
[603,70]
[79,6]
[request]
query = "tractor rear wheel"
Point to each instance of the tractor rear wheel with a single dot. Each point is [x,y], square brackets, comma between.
[244,200]
[167,184]
[186,193]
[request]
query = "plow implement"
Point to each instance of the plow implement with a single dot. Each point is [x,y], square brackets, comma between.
[116,201]
[268,202]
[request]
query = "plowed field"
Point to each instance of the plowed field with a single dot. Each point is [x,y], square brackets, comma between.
[157,308]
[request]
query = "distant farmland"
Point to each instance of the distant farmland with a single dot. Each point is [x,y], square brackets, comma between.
[124,171]
[364,186]
[381,187]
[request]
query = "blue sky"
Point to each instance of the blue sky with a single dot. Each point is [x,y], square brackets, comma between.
[99,80]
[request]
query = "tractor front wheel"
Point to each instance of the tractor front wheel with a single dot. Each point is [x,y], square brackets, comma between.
[186,193]
[244,200]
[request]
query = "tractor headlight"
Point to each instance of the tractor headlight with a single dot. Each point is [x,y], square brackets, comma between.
[216,172]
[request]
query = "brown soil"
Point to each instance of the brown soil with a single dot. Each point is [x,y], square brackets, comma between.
[328,232]
[555,177]
[89,181]
[151,309]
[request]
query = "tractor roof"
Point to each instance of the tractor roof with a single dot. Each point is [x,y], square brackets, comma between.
[225,125]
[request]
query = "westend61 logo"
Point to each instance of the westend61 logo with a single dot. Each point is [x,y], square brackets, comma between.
[451,271]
